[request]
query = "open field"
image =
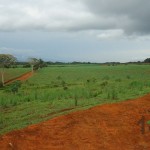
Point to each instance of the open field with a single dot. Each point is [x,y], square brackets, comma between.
[61,89]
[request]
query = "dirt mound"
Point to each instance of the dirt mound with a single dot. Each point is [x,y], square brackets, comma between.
[107,127]
[20,78]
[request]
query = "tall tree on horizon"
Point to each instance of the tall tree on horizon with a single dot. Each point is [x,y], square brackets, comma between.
[33,61]
[6,60]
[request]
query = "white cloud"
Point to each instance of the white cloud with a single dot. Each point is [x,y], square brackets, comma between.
[111,34]
[44,15]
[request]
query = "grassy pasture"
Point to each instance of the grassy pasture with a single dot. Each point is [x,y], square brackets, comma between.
[57,90]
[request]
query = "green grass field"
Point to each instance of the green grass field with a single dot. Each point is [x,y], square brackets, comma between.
[58,90]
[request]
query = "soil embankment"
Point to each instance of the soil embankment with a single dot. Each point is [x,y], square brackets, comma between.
[106,127]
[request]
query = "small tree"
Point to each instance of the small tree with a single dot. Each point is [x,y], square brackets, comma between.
[6,60]
[36,63]
[33,62]
[147,60]
[41,63]
[15,86]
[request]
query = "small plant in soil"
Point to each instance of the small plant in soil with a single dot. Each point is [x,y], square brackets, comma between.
[76,101]
[128,77]
[148,122]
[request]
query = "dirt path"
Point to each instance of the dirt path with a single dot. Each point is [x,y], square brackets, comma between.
[20,78]
[106,127]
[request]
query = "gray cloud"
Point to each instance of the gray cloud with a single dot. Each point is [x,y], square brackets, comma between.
[130,15]
[130,18]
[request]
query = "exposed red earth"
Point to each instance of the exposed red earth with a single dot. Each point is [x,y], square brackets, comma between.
[106,127]
[20,78]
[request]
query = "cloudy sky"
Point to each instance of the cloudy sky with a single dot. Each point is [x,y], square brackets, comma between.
[76,30]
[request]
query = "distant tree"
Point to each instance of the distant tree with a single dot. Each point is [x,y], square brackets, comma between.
[27,65]
[33,62]
[6,60]
[147,60]
[41,63]
[50,63]
[36,63]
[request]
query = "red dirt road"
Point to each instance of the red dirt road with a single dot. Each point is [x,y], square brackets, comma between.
[20,78]
[106,127]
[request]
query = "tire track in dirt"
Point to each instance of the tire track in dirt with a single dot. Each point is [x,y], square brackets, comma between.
[23,77]
[105,127]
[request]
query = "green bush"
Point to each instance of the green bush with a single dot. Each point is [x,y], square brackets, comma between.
[1,84]
[14,87]
[118,80]
[128,77]
[103,84]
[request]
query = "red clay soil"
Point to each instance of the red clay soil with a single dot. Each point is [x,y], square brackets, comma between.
[20,78]
[106,127]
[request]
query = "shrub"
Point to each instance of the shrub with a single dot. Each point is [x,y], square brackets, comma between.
[27,65]
[103,84]
[92,80]
[136,84]
[65,88]
[63,83]
[114,94]
[59,78]
[118,80]
[128,77]
[88,81]
[14,87]
[76,101]
[1,84]
[2,121]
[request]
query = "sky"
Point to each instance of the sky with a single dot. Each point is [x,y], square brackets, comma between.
[76,30]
